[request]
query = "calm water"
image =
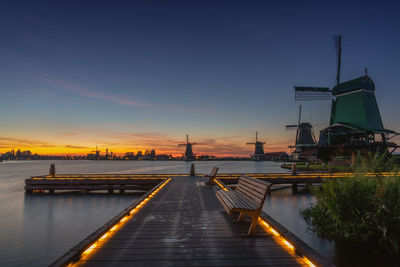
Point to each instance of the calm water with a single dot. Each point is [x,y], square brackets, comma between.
[35,230]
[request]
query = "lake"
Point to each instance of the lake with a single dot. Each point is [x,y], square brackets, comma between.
[36,229]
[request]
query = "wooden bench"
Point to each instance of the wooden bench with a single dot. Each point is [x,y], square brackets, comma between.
[212,175]
[248,198]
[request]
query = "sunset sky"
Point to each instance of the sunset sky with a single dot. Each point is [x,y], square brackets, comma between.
[131,75]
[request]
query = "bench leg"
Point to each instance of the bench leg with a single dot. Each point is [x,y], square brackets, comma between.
[241,215]
[254,223]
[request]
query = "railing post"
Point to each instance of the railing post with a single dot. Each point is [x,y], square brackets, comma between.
[192,170]
[294,169]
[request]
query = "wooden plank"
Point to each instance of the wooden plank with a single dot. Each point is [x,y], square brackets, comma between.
[249,195]
[259,189]
[184,225]
[256,182]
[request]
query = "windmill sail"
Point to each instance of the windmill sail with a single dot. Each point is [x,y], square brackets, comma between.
[337,40]
[312,93]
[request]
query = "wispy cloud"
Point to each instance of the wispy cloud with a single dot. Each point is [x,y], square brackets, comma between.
[76,147]
[82,90]
[23,142]
[39,21]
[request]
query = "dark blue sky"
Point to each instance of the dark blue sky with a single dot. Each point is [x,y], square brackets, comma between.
[139,73]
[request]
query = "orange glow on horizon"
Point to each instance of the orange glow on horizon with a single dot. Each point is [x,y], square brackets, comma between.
[61,151]
[80,144]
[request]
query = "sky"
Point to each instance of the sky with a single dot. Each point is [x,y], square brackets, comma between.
[135,75]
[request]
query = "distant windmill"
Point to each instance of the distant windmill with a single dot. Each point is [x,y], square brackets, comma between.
[259,148]
[189,151]
[305,139]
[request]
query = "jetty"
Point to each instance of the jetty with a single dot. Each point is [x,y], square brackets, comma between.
[123,183]
[180,222]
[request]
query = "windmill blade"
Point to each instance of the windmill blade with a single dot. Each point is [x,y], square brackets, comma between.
[299,120]
[250,143]
[181,144]
[292,126]
[193,143]
[312,93]
[337,40]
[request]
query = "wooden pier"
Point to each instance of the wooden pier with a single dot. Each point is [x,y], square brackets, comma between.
[92,182]
[144,182]
[181,223]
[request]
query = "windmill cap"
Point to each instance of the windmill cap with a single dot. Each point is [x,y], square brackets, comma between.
[364,83]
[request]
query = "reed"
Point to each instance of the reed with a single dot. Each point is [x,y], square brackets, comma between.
[363,210]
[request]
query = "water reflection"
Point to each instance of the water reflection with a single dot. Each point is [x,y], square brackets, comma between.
[286,207]
[53,223]
[35,230]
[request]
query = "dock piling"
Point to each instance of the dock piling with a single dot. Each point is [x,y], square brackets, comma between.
[52,171]
[192,172]
[294,188]
[294,169]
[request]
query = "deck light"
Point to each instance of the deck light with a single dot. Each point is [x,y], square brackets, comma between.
[308,262]
[282,241]
[104,236]
[90,249]
[288,244]
[220,185]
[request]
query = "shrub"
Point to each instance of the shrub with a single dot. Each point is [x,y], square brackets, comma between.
[361,209]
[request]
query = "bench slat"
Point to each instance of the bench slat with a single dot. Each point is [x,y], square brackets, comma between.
[224,201]
[256,182]
[236,201]
[242,202]
[249,196]
[245,183]
[251,191]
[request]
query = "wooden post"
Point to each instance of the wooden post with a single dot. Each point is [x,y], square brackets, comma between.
[110,191]
[192,170]
[294,169]
[52,171]
[294,188]
[353,159]
[121,191]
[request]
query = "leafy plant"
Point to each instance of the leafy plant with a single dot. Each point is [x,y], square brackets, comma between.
[361,209]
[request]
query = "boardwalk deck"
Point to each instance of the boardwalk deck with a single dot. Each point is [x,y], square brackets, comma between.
[185,225]
[144,182]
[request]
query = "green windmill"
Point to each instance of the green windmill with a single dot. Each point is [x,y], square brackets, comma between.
[355,121]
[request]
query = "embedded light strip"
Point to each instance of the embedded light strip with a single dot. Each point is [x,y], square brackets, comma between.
[223,176]
[123,220]
[220,185]
[283,242]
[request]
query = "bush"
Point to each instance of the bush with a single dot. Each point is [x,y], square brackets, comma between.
[361,209]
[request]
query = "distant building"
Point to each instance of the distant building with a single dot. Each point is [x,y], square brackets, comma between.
[163,157]
[129,155]
[153,154]
[276,156]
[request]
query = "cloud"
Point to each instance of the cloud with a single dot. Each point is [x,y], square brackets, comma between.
[15,142]
[76,147]
[82,90]
[39,21]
